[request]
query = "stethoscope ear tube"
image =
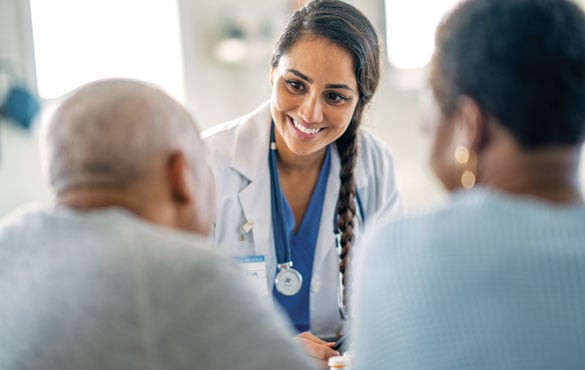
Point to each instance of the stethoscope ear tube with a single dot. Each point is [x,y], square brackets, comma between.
[288,281]
[280,240]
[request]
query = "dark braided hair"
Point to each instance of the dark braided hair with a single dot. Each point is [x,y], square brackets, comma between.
[347,146]
[347,27]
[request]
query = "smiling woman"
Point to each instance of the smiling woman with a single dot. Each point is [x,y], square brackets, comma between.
[303,173]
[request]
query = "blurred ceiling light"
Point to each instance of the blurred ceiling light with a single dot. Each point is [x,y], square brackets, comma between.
[410,28]
[231,50]
[245,36]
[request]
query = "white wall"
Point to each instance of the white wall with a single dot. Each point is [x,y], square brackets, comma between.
[216,91]
[21,179]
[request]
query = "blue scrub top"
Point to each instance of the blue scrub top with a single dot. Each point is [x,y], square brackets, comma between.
[302,245]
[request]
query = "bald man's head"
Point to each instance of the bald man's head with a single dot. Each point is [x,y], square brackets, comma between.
[117,134]
[109,132]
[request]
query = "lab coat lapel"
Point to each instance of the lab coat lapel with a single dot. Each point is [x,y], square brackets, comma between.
[251,161]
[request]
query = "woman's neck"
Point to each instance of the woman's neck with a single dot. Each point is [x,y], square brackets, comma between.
[550,174]
[291,162]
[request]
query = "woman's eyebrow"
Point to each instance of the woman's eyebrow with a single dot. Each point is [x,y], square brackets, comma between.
[339,86]
[310,80]
[300,75]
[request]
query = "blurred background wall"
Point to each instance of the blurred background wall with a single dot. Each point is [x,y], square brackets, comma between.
[215,84]
[21,178]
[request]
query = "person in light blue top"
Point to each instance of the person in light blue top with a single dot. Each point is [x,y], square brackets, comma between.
[494,278]
[292,198]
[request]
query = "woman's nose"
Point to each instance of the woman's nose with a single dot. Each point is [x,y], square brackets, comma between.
[311,110]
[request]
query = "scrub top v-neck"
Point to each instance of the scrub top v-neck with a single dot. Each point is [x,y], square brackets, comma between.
[302,245]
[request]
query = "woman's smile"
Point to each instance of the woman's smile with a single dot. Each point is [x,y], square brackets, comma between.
[303,130]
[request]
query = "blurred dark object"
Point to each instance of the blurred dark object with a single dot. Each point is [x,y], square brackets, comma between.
[18,104]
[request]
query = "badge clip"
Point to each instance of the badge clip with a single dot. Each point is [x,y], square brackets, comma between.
[247,226]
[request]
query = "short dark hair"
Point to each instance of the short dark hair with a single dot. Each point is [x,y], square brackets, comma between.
[522,61]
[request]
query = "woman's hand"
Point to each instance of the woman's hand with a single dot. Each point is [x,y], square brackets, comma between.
[316,348]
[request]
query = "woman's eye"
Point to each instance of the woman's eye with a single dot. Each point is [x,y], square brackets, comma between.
[295,85]
[335,98]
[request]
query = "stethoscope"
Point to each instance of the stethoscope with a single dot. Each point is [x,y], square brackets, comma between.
[289,281]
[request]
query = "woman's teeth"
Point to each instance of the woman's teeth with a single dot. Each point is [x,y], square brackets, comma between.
[305,130]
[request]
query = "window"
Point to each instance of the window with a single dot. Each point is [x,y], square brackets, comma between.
[77,41]
[410,29]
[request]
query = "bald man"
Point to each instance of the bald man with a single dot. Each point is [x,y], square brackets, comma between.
[117,274]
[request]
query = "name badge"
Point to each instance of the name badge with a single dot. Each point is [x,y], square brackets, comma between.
[255,271]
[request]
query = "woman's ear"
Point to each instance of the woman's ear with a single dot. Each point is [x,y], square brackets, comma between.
[179,179]
[271,76]
[471,124]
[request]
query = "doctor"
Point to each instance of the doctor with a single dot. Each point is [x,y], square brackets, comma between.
[298,176]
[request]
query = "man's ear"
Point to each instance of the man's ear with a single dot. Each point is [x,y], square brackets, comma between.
[472,123]
[179,178]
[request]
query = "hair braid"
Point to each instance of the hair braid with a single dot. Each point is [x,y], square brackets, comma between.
[347,147]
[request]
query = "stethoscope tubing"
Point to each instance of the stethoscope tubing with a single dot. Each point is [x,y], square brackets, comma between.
[283,255]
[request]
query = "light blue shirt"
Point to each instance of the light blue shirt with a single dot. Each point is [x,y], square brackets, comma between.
[489,281]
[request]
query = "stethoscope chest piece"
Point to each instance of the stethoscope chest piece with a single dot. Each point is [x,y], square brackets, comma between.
[288,281]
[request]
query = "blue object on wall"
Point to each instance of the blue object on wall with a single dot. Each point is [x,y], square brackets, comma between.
[21,106]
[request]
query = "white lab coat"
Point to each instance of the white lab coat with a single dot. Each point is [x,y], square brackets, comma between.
[238,153]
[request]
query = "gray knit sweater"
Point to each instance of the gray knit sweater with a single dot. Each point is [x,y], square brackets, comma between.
[104,290]
[489,281]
